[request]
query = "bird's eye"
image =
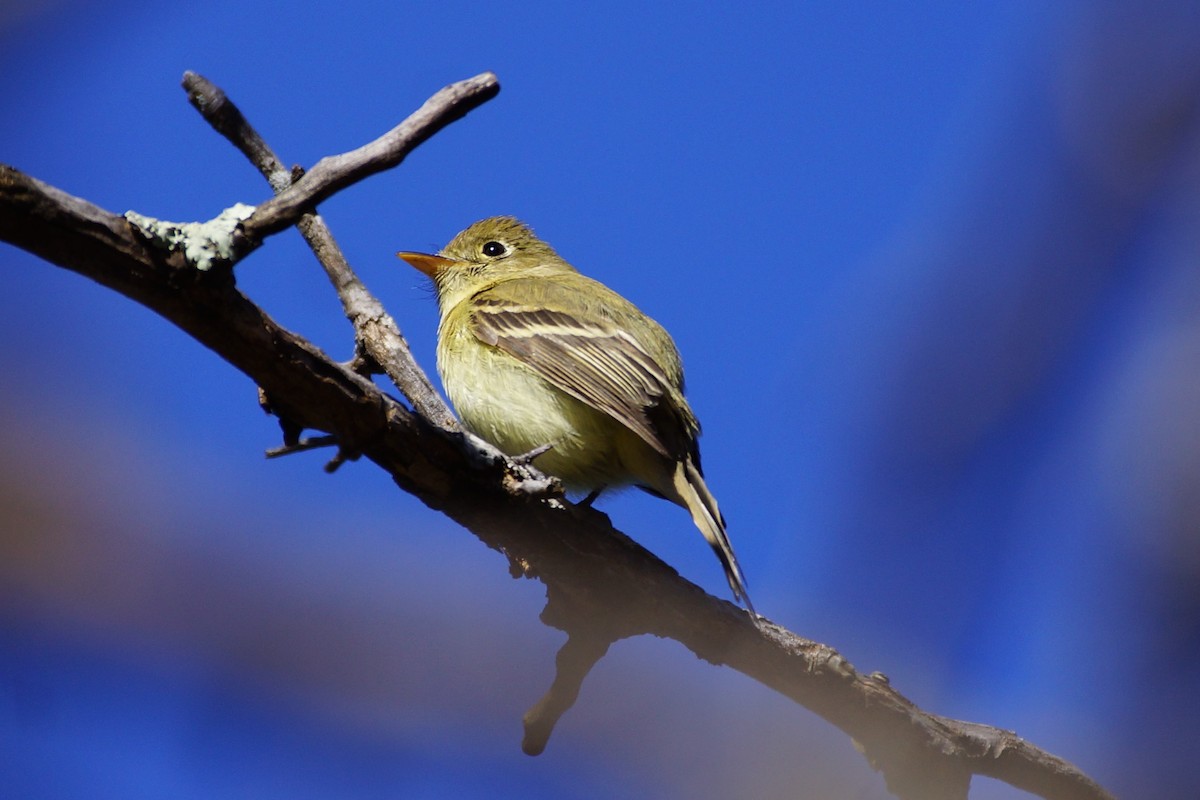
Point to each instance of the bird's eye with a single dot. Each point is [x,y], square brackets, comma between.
[494,249]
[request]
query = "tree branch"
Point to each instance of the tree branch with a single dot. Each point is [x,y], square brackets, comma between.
[601,586]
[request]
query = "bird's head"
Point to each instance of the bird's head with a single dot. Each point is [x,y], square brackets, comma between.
[488,252]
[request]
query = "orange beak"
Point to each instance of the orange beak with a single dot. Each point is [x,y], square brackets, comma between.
[428,264]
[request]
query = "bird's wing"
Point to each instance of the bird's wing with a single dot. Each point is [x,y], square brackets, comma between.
[588,355]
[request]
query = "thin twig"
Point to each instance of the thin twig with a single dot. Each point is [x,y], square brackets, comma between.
[302,446]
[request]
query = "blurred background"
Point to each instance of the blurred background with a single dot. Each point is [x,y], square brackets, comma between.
[933,270]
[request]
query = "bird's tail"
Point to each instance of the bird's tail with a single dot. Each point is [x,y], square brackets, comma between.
[694,494]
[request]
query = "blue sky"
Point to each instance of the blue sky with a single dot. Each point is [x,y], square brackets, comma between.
[930,269]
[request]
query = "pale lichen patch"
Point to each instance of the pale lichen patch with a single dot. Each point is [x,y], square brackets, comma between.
[202,243]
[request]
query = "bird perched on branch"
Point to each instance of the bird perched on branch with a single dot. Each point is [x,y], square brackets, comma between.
[533,353]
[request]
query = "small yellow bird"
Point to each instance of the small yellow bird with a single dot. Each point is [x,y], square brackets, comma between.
[533,353]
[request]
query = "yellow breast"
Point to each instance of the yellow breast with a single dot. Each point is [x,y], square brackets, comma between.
[508,404]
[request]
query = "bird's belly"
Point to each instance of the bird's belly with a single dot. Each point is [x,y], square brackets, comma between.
[514,409]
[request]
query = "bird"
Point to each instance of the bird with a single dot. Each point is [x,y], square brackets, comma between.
[535,356]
